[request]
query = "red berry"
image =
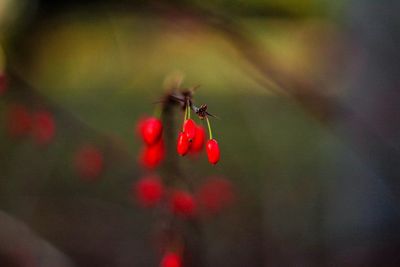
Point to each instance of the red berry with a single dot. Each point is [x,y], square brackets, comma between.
[171,259]
[43,127]
[89,162]
[183,204]
[151,130]
[198,141]
[18,121]
[215,195]
[189,127]
[183,144]
[213,152]
[149,191]
[152,156]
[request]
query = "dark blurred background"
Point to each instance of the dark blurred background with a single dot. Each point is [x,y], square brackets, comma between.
[307,92]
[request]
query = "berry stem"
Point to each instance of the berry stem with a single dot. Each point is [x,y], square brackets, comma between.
[188,108]
[209,128]
[184,118]
[192,240]
[186,113]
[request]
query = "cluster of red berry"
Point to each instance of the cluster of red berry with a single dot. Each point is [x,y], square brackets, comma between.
[212,197]
[150,190]
[191,138]
[153,152]
[209,199]
[40,124]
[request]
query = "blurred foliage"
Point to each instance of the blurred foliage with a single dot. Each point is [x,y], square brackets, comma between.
[102,69]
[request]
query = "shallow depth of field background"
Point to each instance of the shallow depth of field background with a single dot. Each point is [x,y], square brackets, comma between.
[311,190]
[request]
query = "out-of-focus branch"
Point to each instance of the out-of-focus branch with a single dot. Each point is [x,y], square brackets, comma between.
[190,229]
[23,90]
[19,246]
[307,93]
[327,110]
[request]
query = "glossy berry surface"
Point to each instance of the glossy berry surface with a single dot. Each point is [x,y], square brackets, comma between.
[18,121]
[43,128]
[183,144]
[198,141]
[213,152]
[171,259]
[189,128]
[183,203]
[150,130]
[89,162]
[149,191]
[151,156]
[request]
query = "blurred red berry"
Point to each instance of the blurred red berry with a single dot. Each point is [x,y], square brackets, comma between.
[215,195]
[151,156]
[183,203]
[183,144]
[213,152]
[43,128]
[18,121]
[189,128]
[151,130]
[3,83]
[89,162]
[171,259]
[149,191]
[198,141]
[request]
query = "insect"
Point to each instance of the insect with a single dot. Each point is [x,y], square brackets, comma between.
[185,99]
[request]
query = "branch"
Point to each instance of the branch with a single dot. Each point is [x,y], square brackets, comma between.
[19,246]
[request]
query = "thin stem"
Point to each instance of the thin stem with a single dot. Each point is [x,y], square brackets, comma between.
[188,108]
[209,128]
[184,117]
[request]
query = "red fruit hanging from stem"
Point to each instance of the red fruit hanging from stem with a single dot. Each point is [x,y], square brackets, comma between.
[183,144]
[198,141]
[212,147]
[213,152]
[151,130]
[189,127]
[152,156]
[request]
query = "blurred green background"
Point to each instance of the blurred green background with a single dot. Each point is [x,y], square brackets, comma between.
[305,194]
